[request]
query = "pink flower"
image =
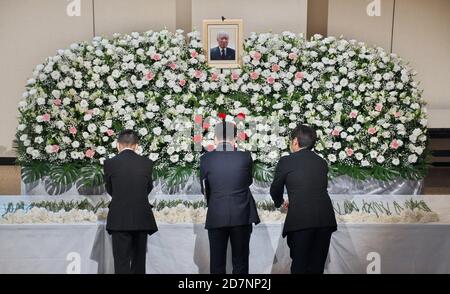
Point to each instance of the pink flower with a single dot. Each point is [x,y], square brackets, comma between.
[89,153]
[73,130]
[275,67]
[57,102]
[89,111]
[257,55]
[254,75]
[46,117]
[173,65]
[234,76]
[55,148]
[210,147]
[214,76]
[198,74]
[292,56]
[397,114]
[335,133]
[242,136]
[109,132]
[270,80]
[299,75]
[149,76]
[372,131]
[353,114]
[182,83]
[198,138]
[194,54]
[206,126]
[156,57]
[241,116]
[349,151]
[198,119]
[379,107]
[394,144]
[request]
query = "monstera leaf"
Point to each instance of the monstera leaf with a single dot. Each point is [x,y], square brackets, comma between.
[34,171]
[262,172]
[91,176]
[177,176]
[61,178]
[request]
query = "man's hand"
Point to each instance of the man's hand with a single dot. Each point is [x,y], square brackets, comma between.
[285,205]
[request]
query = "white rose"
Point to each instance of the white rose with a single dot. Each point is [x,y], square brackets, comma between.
[412,158]
[157,131]
[154,156]
[331,157]
[189,157]
[38,129]
[92,128]
[143,131]
[174,158]
[100,150]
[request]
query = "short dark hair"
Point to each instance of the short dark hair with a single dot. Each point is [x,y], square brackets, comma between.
[306,136]
[128,138]
[225,131]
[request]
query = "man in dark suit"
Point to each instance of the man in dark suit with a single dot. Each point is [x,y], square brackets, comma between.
[226,175]
[310,219]
[222,51]
[128,179]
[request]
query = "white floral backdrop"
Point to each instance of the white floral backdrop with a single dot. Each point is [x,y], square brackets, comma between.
[364,102]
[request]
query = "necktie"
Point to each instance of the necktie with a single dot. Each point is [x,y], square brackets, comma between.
[222,53]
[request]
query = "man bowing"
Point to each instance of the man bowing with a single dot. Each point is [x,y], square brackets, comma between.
[310,219]
[128,178]
[226,175]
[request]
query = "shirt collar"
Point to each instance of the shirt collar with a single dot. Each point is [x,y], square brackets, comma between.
[126,148]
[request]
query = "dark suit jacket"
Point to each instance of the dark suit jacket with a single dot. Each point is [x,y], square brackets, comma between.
[305,175]
[128,179]
[225,180]
[230,54]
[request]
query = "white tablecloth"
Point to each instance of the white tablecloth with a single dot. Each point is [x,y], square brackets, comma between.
[51,248]
[183,248]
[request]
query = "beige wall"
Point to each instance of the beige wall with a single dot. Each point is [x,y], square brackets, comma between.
[126,16]
[258,15]
[349,18]
[417,30]
[422,36]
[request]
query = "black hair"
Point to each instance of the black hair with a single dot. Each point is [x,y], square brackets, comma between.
[128,138]
[306,136]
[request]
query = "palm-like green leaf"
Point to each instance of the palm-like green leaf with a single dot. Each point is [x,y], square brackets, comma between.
[61,178]
[263,173]
[178,175]
[91,176]
[35,171]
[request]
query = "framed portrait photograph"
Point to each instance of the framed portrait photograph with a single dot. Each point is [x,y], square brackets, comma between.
[223,42]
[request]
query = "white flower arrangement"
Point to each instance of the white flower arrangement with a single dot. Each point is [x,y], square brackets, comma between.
[179,211]
[40,215]
[363,101]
